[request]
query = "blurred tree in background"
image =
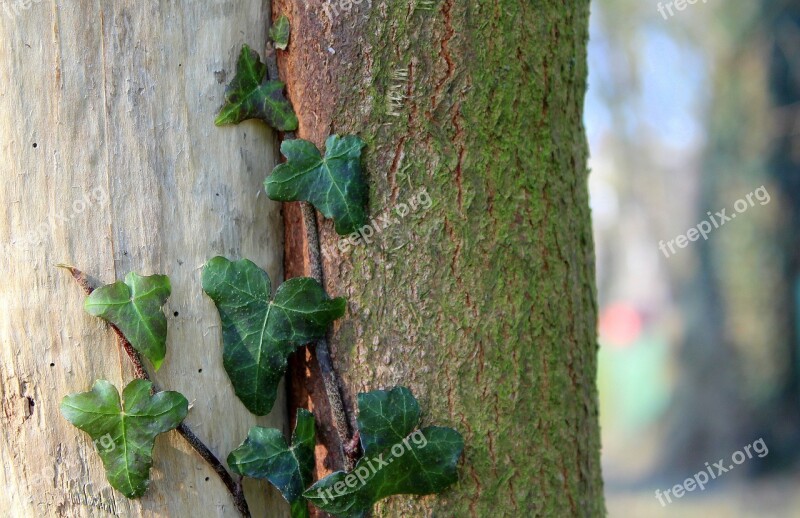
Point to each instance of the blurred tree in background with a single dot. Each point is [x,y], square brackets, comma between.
[739,358]
[701,350]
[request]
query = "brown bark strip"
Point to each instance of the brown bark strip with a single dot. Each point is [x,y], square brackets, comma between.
[311,384]
[312,95]
[307,385]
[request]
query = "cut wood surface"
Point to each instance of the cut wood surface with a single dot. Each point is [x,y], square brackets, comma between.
[111,163]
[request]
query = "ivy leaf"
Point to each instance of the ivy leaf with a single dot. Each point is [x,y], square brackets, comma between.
[334,183]
[299,509]
[265,455]
[125,433]
[251,96]
[258,334]
[134,306]
[398,458]
[279,32]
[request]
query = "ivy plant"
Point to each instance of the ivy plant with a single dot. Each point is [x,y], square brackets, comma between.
[279,32]
[333,183]
[134,306]
[259,331]
[125,430]
[251,95]
[399,458]
[265,455]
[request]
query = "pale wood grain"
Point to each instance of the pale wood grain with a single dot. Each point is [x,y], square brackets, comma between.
[119,98]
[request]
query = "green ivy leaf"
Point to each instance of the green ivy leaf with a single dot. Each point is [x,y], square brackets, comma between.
[279,32]
[251,96]
[258,333]
[334,184]
[124,434]
[265,455]
[134,306]
[398,458]
[299,509]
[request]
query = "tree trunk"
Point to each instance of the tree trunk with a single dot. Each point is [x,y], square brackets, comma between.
[111,162]
[742,335]
[483,303]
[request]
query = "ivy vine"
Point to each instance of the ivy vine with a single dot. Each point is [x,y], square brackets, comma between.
[260,329]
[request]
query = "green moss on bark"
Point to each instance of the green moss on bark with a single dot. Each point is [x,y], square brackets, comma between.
[484,303]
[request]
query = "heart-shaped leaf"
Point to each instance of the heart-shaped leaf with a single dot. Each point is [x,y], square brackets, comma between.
[265,455]
[134,306]
[279,32]
[258,334]
[398,458]
[334,183]
[125,433]
[251,96]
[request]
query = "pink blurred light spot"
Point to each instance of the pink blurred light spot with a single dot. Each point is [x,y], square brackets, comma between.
[620,324]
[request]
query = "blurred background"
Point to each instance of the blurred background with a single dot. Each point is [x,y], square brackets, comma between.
[691,108]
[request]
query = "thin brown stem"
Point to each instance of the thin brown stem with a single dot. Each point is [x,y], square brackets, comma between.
[329,378]
[234,486]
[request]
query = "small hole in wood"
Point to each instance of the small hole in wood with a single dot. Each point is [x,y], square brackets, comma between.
[34,144]
[52,364]
[176,314]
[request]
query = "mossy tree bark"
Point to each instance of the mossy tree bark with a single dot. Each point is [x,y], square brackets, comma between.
[483,304]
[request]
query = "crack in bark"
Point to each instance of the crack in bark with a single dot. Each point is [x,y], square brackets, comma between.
[445,52]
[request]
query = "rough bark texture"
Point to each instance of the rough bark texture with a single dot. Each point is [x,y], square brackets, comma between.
[115,101]
[482,304]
